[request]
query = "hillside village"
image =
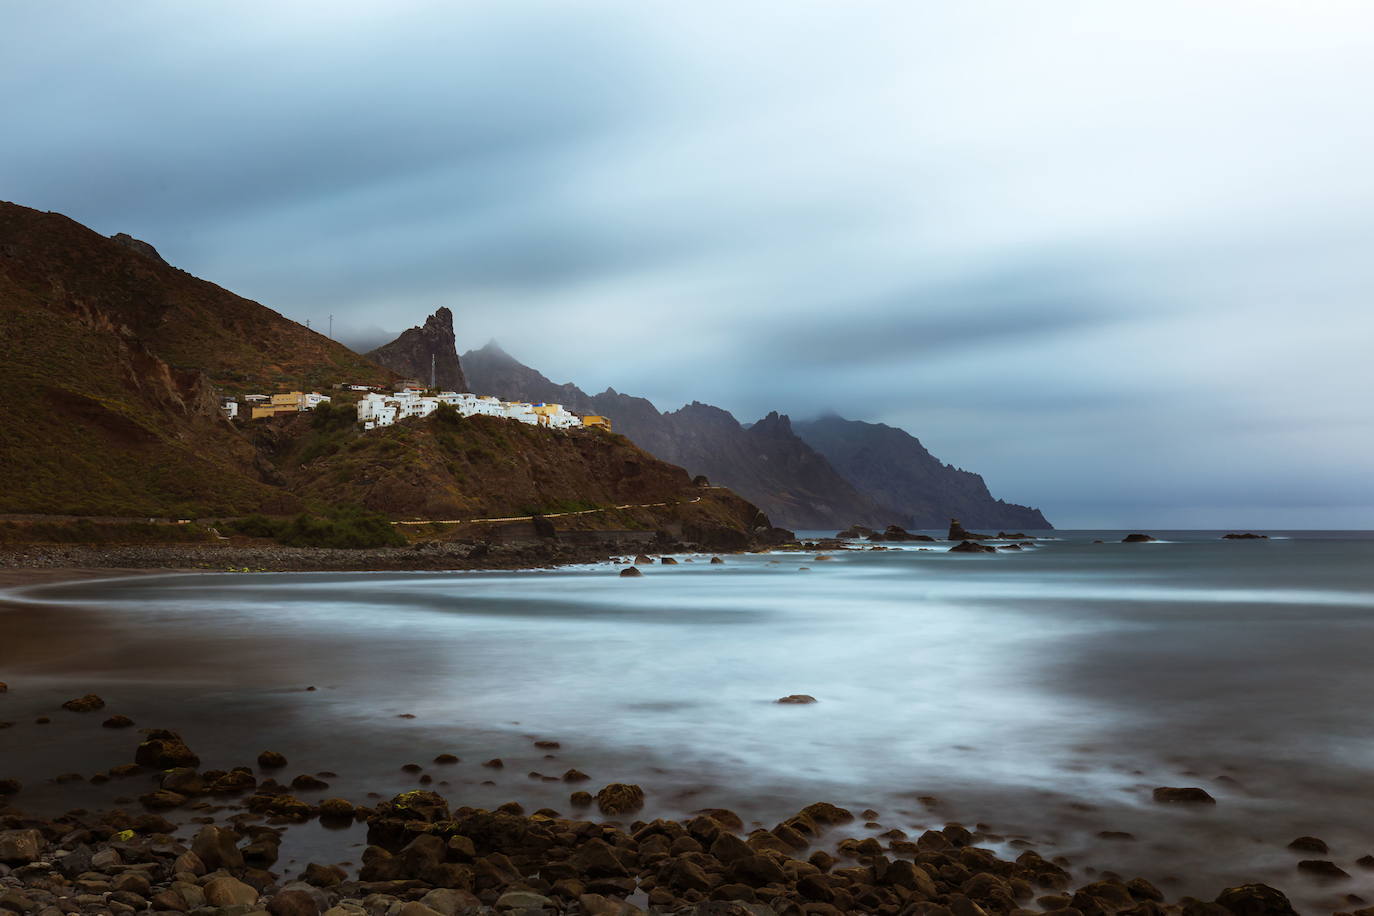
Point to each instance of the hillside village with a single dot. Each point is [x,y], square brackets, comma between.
[376,409]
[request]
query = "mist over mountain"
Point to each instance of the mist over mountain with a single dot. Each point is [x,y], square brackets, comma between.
[852,473]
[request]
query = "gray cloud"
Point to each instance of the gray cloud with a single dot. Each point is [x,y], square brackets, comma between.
[1113,256]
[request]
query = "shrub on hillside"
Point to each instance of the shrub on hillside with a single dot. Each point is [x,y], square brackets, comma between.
[348,527]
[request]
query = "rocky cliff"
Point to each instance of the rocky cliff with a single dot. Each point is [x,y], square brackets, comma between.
[766,463]
[866,473]
[428,353]
[893,467]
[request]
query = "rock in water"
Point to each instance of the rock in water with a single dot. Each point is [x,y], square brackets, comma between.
[271,760]
[1138,539]
[1247,536]
[620,798]
[1255,900]
[971,547]
[1186,795]
[164,750]
[797,699]
[630,572]
[421,349]
[118,721]
[89,703]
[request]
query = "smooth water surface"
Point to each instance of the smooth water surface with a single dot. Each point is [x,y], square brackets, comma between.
[1043,693]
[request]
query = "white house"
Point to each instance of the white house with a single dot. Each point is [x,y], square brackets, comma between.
[376,410]
[230,409]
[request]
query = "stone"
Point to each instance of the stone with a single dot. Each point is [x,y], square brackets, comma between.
[1322,868]
[217,848]
[971,547]
[1255,900]
[163,750]
[89,703]
[667,561]
[271,760]
[716,561]
[227,891]
[630,572]
[1309,844]
[1247,536]
[448,901]
[292,903]
[336,808]
[106,860]
[162,800]
[796,699]
[189,863]
[10,786]
[118,721]
[1138,539]
[580,799]
[494,763]
[575,775]
[1183,795]
[620,798]
[182,780]
[323,875]
[307,783]
[20,847]
[446,758]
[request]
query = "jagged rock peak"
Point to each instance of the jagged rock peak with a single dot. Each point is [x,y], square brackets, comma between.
[775,423]
[138,245]
[424,351]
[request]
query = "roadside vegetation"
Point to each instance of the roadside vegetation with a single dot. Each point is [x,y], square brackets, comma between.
[344,527]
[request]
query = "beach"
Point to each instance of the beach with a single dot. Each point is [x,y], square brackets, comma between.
[1037,698]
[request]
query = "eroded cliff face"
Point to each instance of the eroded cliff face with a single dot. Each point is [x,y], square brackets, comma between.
[429,350]
[816,475]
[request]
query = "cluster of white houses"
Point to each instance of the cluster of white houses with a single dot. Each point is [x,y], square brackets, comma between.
[376,410]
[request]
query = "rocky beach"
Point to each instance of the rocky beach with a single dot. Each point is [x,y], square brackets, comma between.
[395,742]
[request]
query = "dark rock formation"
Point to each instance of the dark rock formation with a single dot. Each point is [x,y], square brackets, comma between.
[1183,795]
[972,547]
[785,471]
[957,532]
[428,353]
[1245,537]
[893,468]
[1138,539]
[138,245]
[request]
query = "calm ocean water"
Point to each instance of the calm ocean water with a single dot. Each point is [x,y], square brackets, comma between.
[1043,693]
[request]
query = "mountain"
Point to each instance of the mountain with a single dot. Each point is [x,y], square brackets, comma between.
[428,353]
[893,467]
[819,475]
[112,363]
[765,463]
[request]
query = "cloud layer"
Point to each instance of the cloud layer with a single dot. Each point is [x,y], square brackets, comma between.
[1113,256]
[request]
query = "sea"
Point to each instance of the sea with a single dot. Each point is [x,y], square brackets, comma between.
[1038,695]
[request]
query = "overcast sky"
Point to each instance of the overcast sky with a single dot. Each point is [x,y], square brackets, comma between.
[1118,257]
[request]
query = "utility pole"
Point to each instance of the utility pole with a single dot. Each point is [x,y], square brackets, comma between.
[432,377]
[331,326]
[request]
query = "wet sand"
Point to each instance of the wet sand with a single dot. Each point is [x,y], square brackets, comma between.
[235,685]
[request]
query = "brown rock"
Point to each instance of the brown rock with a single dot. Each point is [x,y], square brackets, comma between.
[307,783]
[10,786]
[630,572]
[293,903]
[1309,844]
[1255,900]
[20,847]
[89,703]
[620,798]
[494,763]
[217,848]
[271,760]
[163,750]
[323,875]
[226,891]
[797,699]
[446,758]
[336,808]
[118,721]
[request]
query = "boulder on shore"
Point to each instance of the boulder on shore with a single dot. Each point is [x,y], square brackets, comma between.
[1255,900]
[630,572]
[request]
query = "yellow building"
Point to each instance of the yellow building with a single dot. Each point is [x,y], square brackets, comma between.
[294,399]
[271,410]
[595,422]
